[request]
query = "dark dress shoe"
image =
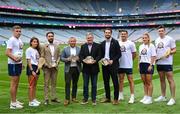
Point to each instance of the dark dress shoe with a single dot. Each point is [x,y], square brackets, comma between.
[94,103]
[46,102]
[55,100]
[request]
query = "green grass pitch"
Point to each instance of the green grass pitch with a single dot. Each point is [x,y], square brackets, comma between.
[123,107]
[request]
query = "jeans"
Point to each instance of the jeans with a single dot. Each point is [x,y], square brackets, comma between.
[86,78]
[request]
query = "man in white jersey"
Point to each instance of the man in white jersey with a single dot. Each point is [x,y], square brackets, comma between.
[14,52]
[128,50]
[165,65]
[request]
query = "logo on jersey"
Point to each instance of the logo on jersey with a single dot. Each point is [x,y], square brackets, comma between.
[20,46]
[37,56]
[144,51]
[123,48]
[160,45]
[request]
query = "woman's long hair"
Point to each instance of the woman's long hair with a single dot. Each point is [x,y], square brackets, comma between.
[30,43]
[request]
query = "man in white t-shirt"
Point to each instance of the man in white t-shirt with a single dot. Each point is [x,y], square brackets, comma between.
[128,51]
[14,52]
[165,64]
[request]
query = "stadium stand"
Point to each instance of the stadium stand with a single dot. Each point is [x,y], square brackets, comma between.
[96,6]
[68,18]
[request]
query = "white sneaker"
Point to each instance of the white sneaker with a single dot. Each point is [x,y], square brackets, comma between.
[171,102]
[147,101]
[33,104]
[121,97]
[160,99]
[19,102]
[15,106]
[131,100]
[36,101]
[143,99]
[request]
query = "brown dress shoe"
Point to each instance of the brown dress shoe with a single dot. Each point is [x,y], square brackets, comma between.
[75,100]
[94,103]
[55,100]
[84,101]
[105,100]
[115,102]
[66,102]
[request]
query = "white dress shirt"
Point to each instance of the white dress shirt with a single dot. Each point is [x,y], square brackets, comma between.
[107,49]
[51,46]
[89,47]
[73,53]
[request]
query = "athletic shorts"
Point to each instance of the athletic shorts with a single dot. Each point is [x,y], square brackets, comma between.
[128,71]
[143,68]
[29,72]
[14,69]
[166,68]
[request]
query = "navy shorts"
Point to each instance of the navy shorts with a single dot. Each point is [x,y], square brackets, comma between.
[29,72]
[143,68]
[128,71]
[166,68]
[14,69]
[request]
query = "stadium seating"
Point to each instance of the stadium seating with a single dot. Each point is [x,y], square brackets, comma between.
[62,35]
[88,7]
[96,6]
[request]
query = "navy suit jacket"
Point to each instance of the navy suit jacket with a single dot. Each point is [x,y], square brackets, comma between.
[115,52]
[95,53]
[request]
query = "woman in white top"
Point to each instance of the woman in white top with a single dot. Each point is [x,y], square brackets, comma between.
[147,57]
[32,56]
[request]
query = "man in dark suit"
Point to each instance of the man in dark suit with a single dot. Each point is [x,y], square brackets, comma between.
[90,69]
[110,50]
[72,68]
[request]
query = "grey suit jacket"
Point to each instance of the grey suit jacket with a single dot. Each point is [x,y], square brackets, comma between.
[46,53]
[65,54]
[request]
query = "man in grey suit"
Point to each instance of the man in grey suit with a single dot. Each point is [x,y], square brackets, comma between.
[51,53]
[70,57]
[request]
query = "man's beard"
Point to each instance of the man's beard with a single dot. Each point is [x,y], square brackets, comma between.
[108,37]
[50,41]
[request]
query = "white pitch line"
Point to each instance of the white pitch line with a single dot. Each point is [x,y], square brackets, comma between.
[127,81]
[177,68]
[78,89]
[39,85]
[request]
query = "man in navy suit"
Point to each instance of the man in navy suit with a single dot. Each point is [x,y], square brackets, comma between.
[111,52]
[90,69]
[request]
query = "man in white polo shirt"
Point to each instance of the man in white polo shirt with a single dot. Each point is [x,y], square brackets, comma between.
[128,50]
[165,64]
[14,52]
